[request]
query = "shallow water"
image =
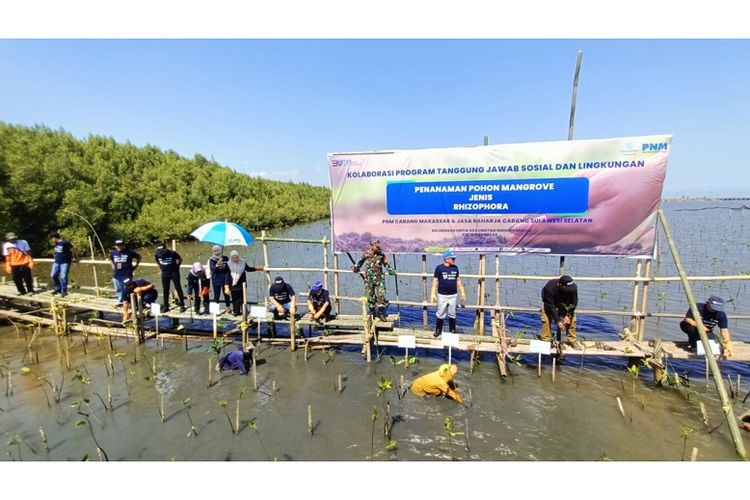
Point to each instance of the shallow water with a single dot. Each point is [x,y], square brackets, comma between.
[521,418]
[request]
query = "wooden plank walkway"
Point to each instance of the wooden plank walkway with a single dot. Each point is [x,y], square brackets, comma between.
[343,330]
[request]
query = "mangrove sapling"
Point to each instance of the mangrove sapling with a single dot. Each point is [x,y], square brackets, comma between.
[82,423]
[451,433]
[186,405]
[374,417]
[223,404]
[635,371]
[251,423]
[685,432]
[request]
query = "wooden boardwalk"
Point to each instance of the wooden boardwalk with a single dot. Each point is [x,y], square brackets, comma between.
[343,330]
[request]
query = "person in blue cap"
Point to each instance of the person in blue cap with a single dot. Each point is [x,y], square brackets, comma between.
[446,284]
[319,303]
[712,314]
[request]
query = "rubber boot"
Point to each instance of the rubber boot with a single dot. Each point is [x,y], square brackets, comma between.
[438,328]
[382,316]
[452,325]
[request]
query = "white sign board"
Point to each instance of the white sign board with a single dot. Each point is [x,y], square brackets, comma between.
[450,339]
[258,311]
[539,346]
[155,309]
[407,341]
[214,308]
[714,348]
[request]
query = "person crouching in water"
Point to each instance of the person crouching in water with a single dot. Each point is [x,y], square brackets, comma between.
[143,289]
[438,383]
[319,303]
[198,286]
[241,359]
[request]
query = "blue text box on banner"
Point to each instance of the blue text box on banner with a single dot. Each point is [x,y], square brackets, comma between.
[537,196]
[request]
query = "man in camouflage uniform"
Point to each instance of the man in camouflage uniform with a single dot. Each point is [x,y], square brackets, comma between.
[372,264]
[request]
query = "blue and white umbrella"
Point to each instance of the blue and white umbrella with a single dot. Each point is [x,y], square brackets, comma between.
[223,233]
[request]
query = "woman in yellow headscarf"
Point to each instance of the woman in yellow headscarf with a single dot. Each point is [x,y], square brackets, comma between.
[438,383]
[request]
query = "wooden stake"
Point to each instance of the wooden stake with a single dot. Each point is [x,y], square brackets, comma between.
[694,455]
[43,435]
[539,365]
[210,372]
[111,366]
[622,410]
[554,362]
[387,421]
[703,412]
[273,387]
[109,397]
[309,420]
[161,406]
[237,417]
[340,387]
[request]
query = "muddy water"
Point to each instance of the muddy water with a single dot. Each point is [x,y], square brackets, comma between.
[521,418]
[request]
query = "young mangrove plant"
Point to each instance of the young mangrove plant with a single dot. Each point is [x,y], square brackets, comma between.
[87,422]
[223,404]
[374,418]
[186,406]
[451,433]
[251,423]
[685,432]
[384,385]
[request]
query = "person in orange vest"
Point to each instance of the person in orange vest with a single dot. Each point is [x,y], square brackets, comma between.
[18,262]
[438,383]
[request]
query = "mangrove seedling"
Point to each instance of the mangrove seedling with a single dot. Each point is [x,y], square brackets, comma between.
[223,404]
[99,449]
[685,433]
[251,423]
[391,446]
[186,405]
[374,417]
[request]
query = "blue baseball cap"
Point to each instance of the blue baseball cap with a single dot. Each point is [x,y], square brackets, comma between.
[716,303]
[450,254]
[316,287]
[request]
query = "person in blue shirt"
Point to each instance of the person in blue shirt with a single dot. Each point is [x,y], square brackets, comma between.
[65,254]
[283,301]
[319,303]
[712,314]
[143,289]
[169,263]
[217,270]
[241,359]
[124,262]
[446,284]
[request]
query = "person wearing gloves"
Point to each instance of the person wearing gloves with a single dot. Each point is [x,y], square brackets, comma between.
[237,269]
[446,284]
[438,383]
[559,302]
[198,286]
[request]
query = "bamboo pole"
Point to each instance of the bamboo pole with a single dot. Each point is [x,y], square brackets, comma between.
[634,320]
[336,284]
[644,302]
[325,264]
[309,420]
[266,264]
[424,291]
[93,256]
[479,327]
[725,403]
[237,417]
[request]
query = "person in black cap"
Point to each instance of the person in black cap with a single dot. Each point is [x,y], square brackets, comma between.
[169,263]
[559,301]
[124,262]
[712,314]
[283,301]
[143,289]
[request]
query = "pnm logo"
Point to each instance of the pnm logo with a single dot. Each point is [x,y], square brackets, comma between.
[655,146]
[340,163]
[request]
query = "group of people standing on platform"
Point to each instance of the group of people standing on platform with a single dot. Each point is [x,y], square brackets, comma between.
[227,275]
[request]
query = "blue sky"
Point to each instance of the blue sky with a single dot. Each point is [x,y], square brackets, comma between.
[276,107]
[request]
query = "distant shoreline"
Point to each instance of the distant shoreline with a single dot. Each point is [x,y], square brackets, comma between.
[707,198]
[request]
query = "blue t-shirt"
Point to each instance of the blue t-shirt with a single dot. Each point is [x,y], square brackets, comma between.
[63,252]
[168,261]
[123,262]
[447,277]
[282,292]
[319,299]
[710,320]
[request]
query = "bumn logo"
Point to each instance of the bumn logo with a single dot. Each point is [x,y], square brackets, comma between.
[340,163]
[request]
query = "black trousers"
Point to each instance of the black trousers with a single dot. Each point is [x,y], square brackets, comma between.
[693,336]
[166,280]
[218,289]
[237,301]
[21,275]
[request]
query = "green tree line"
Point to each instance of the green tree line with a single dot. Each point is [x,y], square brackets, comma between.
[50,180]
